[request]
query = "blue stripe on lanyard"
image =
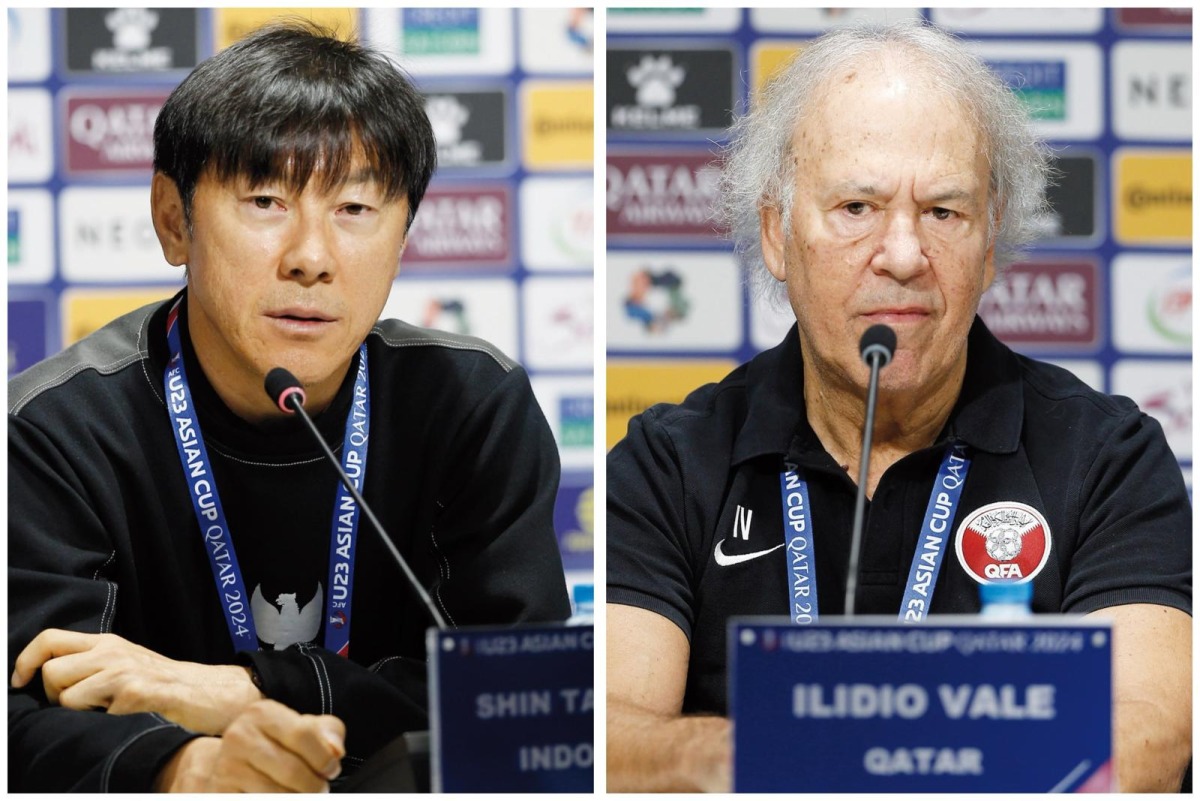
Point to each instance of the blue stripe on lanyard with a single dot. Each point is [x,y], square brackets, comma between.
[927,561]
[210,514]
[344,535]
[935,534]
[797,533]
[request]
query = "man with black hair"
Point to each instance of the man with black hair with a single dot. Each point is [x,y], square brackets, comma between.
[193,604]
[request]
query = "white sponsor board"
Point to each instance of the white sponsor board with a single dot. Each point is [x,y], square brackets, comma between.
[1163,390]
[969,19]
[673,20]
[558,323]
[427,46]
[557,40]
[673,301]
[819,20]
[484,308]
[106,236]
[566,402]
[30,136]
[28,44]
[557,223]
[1152,303]
[30,236]
[1073,70]
[1152,90]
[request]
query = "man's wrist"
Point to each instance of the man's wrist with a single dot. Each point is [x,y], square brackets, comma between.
[183,769]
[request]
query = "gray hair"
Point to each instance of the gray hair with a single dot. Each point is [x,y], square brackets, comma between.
[759,171]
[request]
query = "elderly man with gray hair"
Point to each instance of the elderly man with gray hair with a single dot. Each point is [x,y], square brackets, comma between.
[886,177]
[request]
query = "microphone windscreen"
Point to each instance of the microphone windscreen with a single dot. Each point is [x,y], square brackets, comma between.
[278,382]
[880,339]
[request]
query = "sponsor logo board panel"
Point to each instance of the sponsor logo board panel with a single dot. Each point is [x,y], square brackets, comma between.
[30,236]
[233,24]
[465,226]
[31,320]
[557,123]
[558,323]
[1152,90]
[28,44]
[30,136]
[659,300]
[670,89]
[568,405]
[130,41]
[1046,305]
[1152,193]
[819,20]
[558,40]
[668,193]
[110,133]
[675,20]
[106,235]
[444,41]
[635,385]
[1162,389]
[557,223]
[1152,303]
[1057,81]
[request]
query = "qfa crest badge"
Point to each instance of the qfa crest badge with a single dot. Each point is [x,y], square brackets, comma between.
[1003,541]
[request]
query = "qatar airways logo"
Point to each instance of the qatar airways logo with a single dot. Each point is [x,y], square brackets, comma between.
[462,226]
[108,133]
[1044,303]
[662,194]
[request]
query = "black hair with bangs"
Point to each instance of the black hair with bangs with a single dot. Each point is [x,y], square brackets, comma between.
[291,98]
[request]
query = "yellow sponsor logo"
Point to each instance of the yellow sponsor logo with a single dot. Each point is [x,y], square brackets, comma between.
[767,60]
[235,23]
[634,386]
[1152,195]
[557,118]
[88,310]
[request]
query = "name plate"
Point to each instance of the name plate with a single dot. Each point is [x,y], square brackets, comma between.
[869,706]
[510,709]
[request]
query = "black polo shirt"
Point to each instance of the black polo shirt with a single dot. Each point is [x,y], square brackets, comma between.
[704,474]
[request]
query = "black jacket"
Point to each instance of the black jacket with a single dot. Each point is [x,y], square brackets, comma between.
[462,471]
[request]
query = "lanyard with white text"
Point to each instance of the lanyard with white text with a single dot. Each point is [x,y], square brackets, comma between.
[927,561]
[211,515]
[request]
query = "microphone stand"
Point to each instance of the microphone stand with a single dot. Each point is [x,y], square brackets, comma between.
[876,356]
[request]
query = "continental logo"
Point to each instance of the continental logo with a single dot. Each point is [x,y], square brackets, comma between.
[1152,191]
[233,24]
[87,310]
[634,386]
[767,60]
[558,118]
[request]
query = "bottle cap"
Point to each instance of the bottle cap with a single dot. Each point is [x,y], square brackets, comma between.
[1006,592]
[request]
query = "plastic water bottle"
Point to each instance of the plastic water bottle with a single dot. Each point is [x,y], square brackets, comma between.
[583,602]
[1006,600]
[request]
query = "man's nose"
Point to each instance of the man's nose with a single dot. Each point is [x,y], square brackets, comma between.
[901,250]
[309,255]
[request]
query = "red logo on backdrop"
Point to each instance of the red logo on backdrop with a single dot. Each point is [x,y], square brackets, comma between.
[661,193]
[1054,304]
[107,133]
[467,226]
[1005,541]
[1175,18]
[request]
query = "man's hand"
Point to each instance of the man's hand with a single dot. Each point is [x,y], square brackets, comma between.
[268,748]
[104,671]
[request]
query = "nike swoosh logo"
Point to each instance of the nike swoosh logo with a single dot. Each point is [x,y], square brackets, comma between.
[725,560]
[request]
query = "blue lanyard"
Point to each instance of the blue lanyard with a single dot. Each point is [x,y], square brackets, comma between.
[927,561]
[210,514]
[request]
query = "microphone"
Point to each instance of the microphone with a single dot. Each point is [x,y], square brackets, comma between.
[286,392]
[877,345]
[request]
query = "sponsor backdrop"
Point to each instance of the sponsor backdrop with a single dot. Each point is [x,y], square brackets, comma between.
[1107,293]
[501,247]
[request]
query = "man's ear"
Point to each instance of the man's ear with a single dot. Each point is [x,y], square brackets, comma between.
[774,241]
[166,210]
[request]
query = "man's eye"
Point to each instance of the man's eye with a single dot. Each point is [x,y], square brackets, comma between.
[354,209]
[943,214]
[263,202]
[856,208]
